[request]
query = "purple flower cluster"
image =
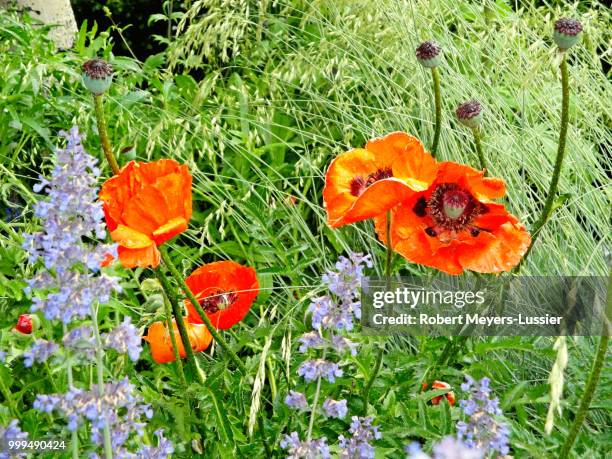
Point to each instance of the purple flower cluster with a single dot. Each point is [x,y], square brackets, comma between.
[69,284]
[482,430]
[163,449]
[335,408]
[358,445]
[298,449]
[8,433]
[118,405]
[2,356]
[125,339]
[448,448]
[310,370]
[81,342]
[296,400]
[39,352]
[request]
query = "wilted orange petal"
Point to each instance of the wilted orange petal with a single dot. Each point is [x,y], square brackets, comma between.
[169,230]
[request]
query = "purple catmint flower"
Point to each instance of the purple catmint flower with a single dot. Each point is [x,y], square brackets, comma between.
[482,430]
[11,432]
[358,446]
[341,344]
[453,448]
[297,449]
[296,400]
[125,339]
[414,451]
[163,450]
[81,342]
[71,215]
[311,340]
[335,408]
[39,352]
[2,356]
[319,368]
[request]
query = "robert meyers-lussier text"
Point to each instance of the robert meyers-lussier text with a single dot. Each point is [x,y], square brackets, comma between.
[465,319]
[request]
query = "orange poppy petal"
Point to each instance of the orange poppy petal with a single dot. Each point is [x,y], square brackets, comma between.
[378,198]
[498,251]
[130,238]
[482,188]
[148,257]
[392,147]
[160,341]
[146,210]
[169,230]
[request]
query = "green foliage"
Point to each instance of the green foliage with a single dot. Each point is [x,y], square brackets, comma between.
[257,97]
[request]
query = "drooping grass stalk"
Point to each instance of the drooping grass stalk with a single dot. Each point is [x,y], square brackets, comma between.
[102,131]
[108,448]
[213,331]
[552,189]
[478,146]
[180,322]
[438,103]
[74,436]
[589,391]
[175,349]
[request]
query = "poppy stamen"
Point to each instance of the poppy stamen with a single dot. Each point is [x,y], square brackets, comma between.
[359,184]
[219,301]
[452,207]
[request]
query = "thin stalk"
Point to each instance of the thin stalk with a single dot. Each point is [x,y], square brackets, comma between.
[175,349]
[213,331]
[315,402]
[178,316]
[102,131]
[74,437]
[108,448]
[554,183]
[478,145]
[589,391]
[438,102]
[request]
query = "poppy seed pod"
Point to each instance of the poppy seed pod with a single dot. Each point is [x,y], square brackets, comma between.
[97,76]
[567,31]
[27,323]
[470,113]
[429,54]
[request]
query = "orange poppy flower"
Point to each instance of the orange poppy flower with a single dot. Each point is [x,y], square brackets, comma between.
[225,290]
[161,343]
[145,205]
[455,225]
[366,182]
[450,396]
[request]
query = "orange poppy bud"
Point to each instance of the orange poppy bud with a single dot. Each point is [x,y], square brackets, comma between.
[367,182]
[145,205]
[225,290]
[450,396]
[161,343]
[455,225]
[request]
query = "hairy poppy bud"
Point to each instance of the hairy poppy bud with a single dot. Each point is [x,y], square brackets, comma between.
[567,32]
[470,113]
[429,54]
[97,76]
[27,323]
[450,396]
[150,286]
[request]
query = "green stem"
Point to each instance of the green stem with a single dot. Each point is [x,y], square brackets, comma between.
[102,131]
[478,145]
[196,304]
[438,102]
[589,391]
[552,189]
[75,435]
[108,448]
[370,383]
[178,316]
[175,349]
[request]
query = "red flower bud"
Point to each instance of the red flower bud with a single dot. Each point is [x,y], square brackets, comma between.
[26,324]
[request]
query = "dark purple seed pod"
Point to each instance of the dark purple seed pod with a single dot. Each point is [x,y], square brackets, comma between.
[470,113]
[567,32]
[97,75]
[429,54]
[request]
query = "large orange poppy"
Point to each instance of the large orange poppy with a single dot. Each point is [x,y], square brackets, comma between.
[366,182]
[455,225]
[145,205]
[225,290]
[161,343]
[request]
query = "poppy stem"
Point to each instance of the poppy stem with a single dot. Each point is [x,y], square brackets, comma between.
[178,316]
[438,103]
[478,145]
[370,383]
[589,391]
[103,133]
[213,331]
[552,189]
[177,356]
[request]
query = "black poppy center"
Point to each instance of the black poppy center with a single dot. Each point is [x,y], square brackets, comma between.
[218,301]
[359,183]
